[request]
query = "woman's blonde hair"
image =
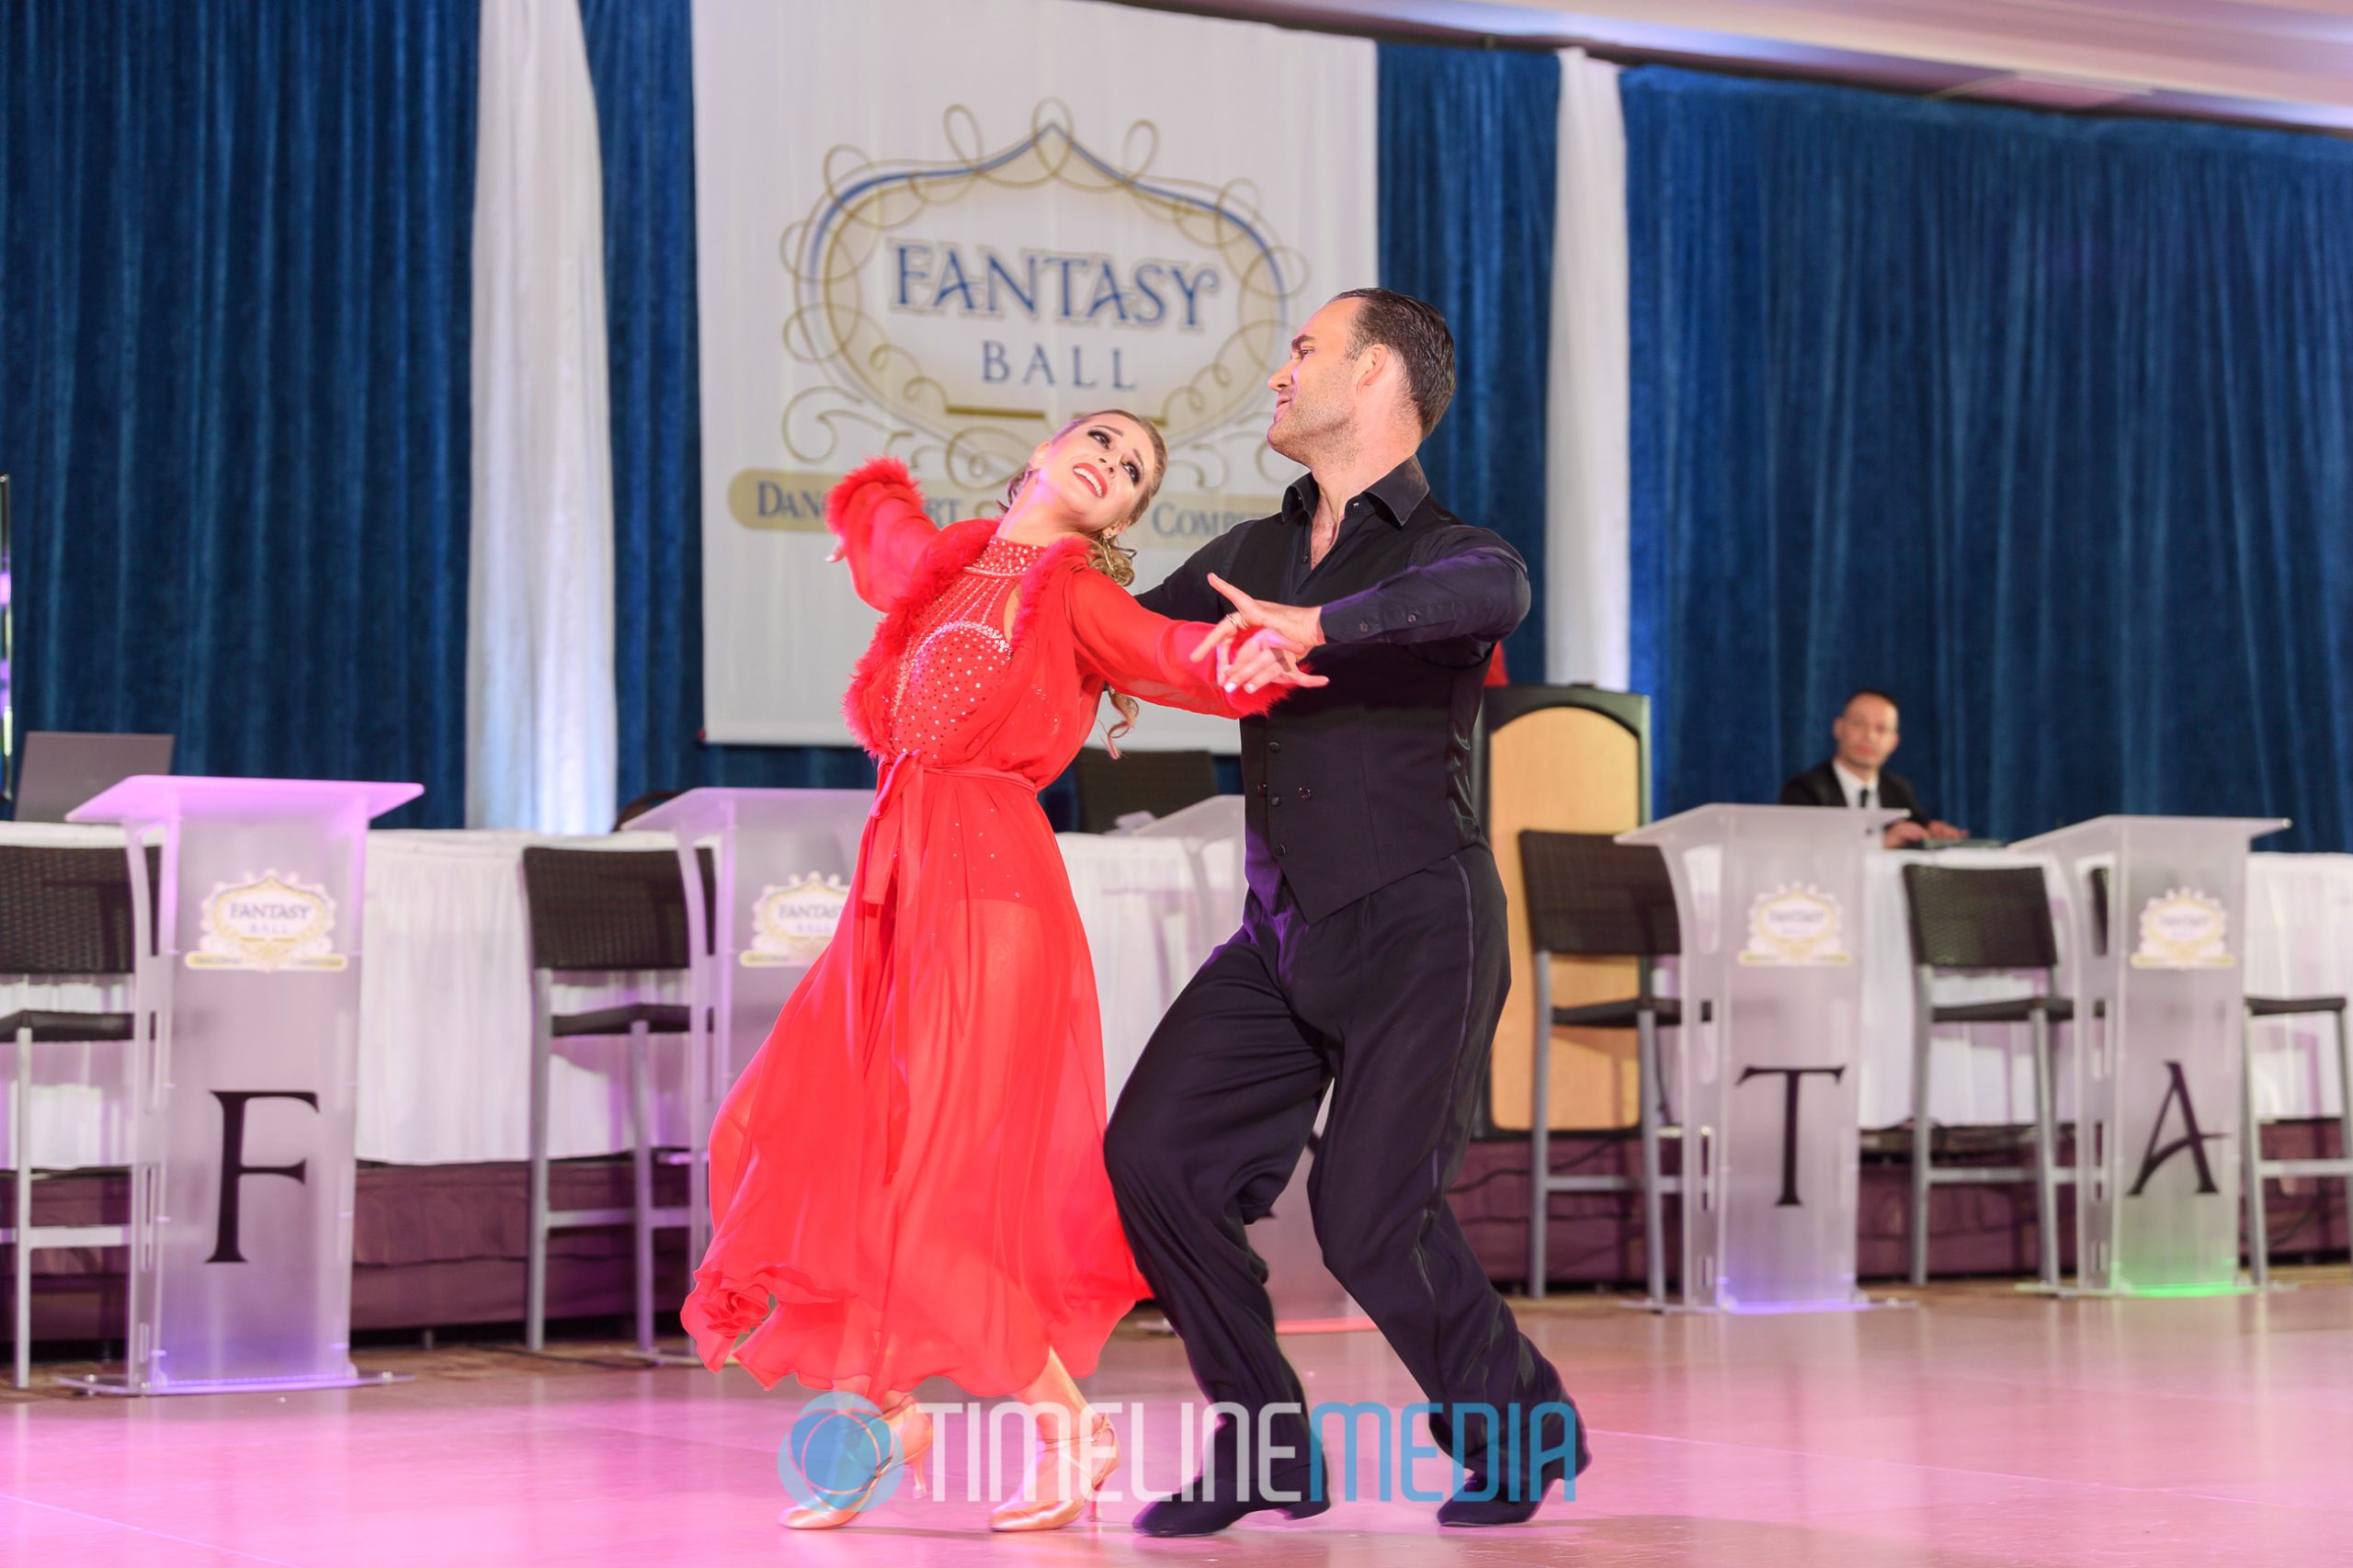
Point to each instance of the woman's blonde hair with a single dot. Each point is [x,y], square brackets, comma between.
[1105,553]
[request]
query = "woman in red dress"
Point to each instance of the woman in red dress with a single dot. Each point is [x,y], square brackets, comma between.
[912,1167]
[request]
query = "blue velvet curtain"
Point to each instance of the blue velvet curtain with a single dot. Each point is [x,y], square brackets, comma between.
[2045,425]
[641,59]
[234,291]
[1468,139]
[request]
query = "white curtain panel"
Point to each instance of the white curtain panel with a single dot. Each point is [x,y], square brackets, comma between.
[1586,465]
[541,747]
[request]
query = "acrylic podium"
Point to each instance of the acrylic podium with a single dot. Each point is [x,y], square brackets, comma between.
[1770,979]
[245,1013]
[781,863]
[2161,984]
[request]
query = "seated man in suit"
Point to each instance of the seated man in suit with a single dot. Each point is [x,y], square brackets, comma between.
[1858,777]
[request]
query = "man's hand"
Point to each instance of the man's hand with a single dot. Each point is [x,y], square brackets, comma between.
[1944,832]
[1261,641]
[1905,835]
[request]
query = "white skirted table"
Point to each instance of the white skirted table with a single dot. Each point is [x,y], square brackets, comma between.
[446,1022]
[445,1031]
[2299,942]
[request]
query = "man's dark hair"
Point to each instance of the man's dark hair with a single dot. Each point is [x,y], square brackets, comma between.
[1417,334]
[1868,691]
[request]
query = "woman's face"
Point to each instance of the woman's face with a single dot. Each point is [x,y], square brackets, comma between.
[1097,470]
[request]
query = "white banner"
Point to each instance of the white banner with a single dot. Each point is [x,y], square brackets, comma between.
[940,228]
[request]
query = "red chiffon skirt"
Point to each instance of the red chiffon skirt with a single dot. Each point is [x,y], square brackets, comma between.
[912,1167]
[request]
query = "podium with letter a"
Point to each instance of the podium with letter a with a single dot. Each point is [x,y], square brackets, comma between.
[245,1013]
[780,868]
[1771,980]
[2158,909]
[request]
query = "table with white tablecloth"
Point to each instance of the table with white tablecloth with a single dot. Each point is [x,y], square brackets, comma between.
[444,1050]
[2299,942]
[445,1035]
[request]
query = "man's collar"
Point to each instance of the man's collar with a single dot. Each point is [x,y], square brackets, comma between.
[1840,769]
[1397,494]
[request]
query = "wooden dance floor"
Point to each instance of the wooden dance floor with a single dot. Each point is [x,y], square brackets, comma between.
[1981,1427]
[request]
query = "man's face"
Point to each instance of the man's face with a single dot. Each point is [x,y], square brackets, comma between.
[1315,390]
[1866,733]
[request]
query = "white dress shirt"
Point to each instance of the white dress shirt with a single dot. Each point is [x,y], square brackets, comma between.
[1855,784]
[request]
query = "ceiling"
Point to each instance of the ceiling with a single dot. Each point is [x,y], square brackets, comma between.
[2277,62]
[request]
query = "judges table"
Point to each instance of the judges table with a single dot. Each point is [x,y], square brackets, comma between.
[444,1049]
[2299,942]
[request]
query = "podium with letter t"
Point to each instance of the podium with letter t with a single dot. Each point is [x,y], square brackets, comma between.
[2160,994]
[1770,900]
[780,875]
[245,1018]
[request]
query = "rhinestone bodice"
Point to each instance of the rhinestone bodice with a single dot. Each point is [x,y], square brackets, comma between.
[957,649]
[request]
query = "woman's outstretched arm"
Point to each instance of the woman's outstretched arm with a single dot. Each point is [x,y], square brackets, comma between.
[876,514]
[1151,656]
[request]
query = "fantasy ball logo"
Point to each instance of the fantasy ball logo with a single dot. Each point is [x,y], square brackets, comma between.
[954,307]
[840,1454]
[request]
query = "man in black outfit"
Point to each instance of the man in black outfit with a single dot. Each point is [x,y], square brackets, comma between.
[1856,775]
[1371,956]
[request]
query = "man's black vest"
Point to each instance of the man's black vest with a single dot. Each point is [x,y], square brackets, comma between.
[1351,786]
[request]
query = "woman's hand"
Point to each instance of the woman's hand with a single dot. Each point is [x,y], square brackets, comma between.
[1261,641]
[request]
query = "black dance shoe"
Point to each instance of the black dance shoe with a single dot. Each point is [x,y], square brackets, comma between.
[1185,1514]
[1190,1512]
[1502,1507]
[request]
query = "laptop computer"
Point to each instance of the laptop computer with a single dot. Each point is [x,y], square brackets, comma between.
[62,768]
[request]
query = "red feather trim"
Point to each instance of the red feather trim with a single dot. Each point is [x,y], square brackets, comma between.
[958,545]
[857,489]
[1063,555]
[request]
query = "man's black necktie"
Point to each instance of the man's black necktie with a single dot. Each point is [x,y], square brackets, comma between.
[1867,797]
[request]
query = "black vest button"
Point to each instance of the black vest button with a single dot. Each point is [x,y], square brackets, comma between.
[1305,793]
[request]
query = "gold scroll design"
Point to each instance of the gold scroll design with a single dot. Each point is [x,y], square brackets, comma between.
[268,923]
[1796,926]
[2183,928]
[880,390]
[792,921]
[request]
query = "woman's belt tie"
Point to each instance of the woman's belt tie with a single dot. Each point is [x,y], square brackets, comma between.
[898,794]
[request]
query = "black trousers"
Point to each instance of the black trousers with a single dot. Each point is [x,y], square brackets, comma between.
[1392,1001]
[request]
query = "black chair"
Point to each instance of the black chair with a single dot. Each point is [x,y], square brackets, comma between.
[1161,782]
[2255,1169]
[64,914]
[1969,919]
[1590,896]
[602,911]
[642,804]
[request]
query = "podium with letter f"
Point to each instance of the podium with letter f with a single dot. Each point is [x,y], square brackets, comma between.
[2159,920]
[1769,900]
[245,1018]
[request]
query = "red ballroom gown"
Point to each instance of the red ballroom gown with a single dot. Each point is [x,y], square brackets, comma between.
[912,1167]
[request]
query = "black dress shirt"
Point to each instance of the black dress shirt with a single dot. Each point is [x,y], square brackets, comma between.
[1351,786]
